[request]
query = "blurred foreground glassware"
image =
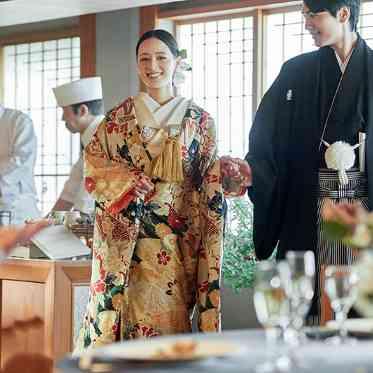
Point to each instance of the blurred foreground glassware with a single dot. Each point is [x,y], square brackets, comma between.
[271,306]
[5,217]
[341,288]
[298,276]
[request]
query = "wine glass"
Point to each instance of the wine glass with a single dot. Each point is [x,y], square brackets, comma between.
[298,276]
[341,288]
[272,309]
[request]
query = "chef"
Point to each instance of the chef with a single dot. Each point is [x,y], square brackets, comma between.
[17,161]
[83,109]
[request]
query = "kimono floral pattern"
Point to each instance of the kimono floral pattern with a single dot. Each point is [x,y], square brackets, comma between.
[154,260]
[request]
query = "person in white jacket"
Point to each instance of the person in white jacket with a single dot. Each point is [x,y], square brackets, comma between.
[83,109]
[17,160]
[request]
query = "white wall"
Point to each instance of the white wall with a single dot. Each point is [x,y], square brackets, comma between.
[238,309]
[116,35]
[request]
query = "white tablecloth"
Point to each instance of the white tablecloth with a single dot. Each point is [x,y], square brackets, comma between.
[314,356]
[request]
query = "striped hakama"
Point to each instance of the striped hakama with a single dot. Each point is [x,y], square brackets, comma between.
[335,252]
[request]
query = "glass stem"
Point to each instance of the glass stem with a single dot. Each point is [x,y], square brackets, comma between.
[272,335]
[341,318]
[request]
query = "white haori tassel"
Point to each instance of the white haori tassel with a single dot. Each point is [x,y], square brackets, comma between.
[340,156]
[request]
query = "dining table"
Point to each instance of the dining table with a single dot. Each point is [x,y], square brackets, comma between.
[251,350]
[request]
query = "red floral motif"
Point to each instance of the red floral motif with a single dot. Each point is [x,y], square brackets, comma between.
[112,127]
[124,130]
[99,286]
[191,240]
[90,184]
[102,273]
[202,253]
[115,329]
[203,287]
[119,114]
[163,258]
[98,257]
[209,146]
[174,220]
[204,120]
[150,195]
[101,267]
[184,151]
[212,179]
[127,107]
[144,331]
[95,148]
[122,203]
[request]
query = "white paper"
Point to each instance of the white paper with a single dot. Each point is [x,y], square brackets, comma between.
[59,243]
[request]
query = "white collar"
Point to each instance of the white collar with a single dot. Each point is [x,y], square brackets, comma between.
[86,136]
[152,104]
[151,114]
[343,65]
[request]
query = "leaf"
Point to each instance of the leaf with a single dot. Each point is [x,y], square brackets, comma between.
[96,328]
[117,290]
[335,231]
[108,304]
[214,285]
[87,339]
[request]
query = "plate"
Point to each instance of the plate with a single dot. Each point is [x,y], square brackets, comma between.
[170,351]
[319,332]
[356,327]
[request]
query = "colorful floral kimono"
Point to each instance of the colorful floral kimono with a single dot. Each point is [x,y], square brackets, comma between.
[154,259]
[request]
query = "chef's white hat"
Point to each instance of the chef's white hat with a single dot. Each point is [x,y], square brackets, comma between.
[82,90]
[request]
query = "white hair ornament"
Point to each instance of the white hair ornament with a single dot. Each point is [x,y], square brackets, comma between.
[179,74]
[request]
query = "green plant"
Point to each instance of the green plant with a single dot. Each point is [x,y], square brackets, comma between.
[239,260]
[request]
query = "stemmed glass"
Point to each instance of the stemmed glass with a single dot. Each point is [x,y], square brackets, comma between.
[272,309]
[341,287]
[298,274]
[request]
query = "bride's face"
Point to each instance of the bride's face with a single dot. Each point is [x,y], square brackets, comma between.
[155,64]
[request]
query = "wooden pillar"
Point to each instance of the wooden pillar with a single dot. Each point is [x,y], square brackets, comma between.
[2,72]
[258,60]
[87,26]
[148,18]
